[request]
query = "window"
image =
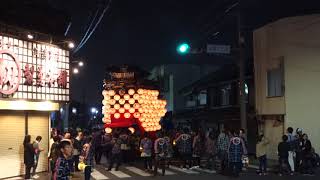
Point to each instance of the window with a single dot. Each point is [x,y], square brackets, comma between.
[202,97]
[275,83]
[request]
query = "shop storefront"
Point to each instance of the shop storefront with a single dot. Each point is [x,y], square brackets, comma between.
[34,79]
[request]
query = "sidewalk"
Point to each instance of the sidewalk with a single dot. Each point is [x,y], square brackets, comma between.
[46,176]
[271,164]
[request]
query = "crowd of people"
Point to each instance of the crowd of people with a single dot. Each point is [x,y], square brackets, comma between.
[296,153]
[225,152]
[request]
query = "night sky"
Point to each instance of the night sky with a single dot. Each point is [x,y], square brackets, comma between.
[145,32]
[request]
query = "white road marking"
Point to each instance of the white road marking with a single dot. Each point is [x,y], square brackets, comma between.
[206,170]
[119,174]
[167,172]
[183,170]
[137,171]
[98,175]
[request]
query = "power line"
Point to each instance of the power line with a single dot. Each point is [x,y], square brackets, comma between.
[94,28]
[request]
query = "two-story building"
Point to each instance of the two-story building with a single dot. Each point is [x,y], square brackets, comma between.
[213,101]
[286,73]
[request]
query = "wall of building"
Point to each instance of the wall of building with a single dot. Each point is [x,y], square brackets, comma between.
[297,40]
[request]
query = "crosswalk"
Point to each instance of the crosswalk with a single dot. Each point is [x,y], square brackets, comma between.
[125,172]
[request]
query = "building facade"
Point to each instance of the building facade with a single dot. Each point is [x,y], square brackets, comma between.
[213,102]
[34,79]
[287,71]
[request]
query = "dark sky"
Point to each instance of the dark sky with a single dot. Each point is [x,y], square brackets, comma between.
[146,32]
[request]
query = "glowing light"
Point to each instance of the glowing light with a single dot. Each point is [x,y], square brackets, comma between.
[71,45]
[112,101]
[108,130]
[122,110]
[136,115]
[30,36]
[140,91]
[116,115]
[111,93]
[136,106]
[132,110]
[131,129]
[112,111]
[136,96]
[127,115]
[80,63]
[132,101]
[104,102]
[126,96]
[75,71]
[116,97]
[131,91]
[126,106]
[104,92]
[116,106]
[122,101]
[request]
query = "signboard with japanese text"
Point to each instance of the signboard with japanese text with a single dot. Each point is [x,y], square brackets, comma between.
[33,71]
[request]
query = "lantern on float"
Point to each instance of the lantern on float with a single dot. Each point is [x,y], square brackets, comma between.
[126,97]
[116,97]
[111,93]
[127,115]
[116,106]
[122,101]
[112,101]
[126,106]
[108,130]
[116,115]
[136,96]
[131,92]
[132,110]
[132,101]
[122,110]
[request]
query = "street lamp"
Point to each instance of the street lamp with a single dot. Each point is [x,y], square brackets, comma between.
[80,63]
[74,110]
[71,45]
[75,71]
[94,110]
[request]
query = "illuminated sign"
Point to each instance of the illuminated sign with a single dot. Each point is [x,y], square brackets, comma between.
[33,70]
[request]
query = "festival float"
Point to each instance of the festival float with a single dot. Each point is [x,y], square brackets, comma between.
[131,101]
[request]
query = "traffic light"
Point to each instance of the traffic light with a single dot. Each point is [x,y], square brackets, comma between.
[183,48]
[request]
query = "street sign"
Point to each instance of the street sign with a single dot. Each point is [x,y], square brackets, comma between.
[218,49]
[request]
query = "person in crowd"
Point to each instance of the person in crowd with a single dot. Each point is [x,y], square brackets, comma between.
[67,137]
[210,149]
[298,150]
[197,146]
[236,150]
[28,155]
[283,153]
[146,151]
[116,153]
[53,134]
[161,151]
[125,147]
[222,149]
[77,145]
[62,169]
[37,151]
[292,144]
[261,153]
[54,153]
[106,145]
[96,143]
[306,155]
[170,148]
[87,157]
[184,144]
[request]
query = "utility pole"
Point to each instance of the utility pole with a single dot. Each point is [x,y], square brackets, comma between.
[241,53]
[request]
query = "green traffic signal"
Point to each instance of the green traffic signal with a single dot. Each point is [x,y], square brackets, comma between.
[183,48]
